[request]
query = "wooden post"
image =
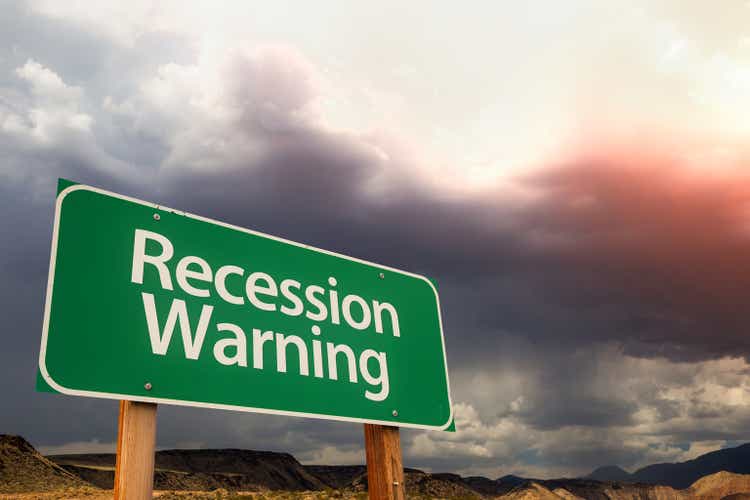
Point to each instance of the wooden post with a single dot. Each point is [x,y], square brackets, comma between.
[385,471]
[136,443]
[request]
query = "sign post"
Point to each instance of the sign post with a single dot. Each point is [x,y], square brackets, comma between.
[150,305]
[385,471]
[136,442]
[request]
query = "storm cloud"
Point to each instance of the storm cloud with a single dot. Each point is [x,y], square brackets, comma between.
[593,304]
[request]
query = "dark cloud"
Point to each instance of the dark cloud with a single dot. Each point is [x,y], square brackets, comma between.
[656,243]
[651,256]
[570,315]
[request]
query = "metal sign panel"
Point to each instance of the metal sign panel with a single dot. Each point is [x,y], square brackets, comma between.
[152,304]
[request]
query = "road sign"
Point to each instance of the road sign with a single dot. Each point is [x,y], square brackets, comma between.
[146,303]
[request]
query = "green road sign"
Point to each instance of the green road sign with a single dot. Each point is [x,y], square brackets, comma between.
[152,304]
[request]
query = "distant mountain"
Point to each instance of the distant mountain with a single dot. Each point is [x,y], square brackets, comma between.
[204,470]
[23,469]
[683,474]
[490,487]
[513,480]
[610,473]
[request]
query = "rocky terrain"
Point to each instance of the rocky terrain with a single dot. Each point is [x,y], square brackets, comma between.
[718,486]
[22,468]
[217,474]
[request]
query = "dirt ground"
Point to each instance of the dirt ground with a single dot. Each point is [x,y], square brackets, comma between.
[97,494]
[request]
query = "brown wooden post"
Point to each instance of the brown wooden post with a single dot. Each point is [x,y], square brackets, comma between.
[385,470]
[136,444]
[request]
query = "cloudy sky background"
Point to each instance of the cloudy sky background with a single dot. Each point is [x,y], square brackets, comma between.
[574,175]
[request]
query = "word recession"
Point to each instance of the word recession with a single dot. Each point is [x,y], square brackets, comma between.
[194,276]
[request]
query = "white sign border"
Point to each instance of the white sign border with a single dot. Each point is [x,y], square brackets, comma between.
[196,404]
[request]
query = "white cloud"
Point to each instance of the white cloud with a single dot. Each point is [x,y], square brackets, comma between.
[699,448]
[50,120]
[332,455]
[93,446]
[122,22]
[500,440]
[48,85]
[670,398]
[481,99]
[220,112]
[55,112]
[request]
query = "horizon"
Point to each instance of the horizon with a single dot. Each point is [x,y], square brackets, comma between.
[406,467]
[574,177]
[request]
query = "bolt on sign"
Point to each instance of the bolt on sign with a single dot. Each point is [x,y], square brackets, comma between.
[150,304]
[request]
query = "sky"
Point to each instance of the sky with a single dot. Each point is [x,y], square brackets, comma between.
[574,175]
